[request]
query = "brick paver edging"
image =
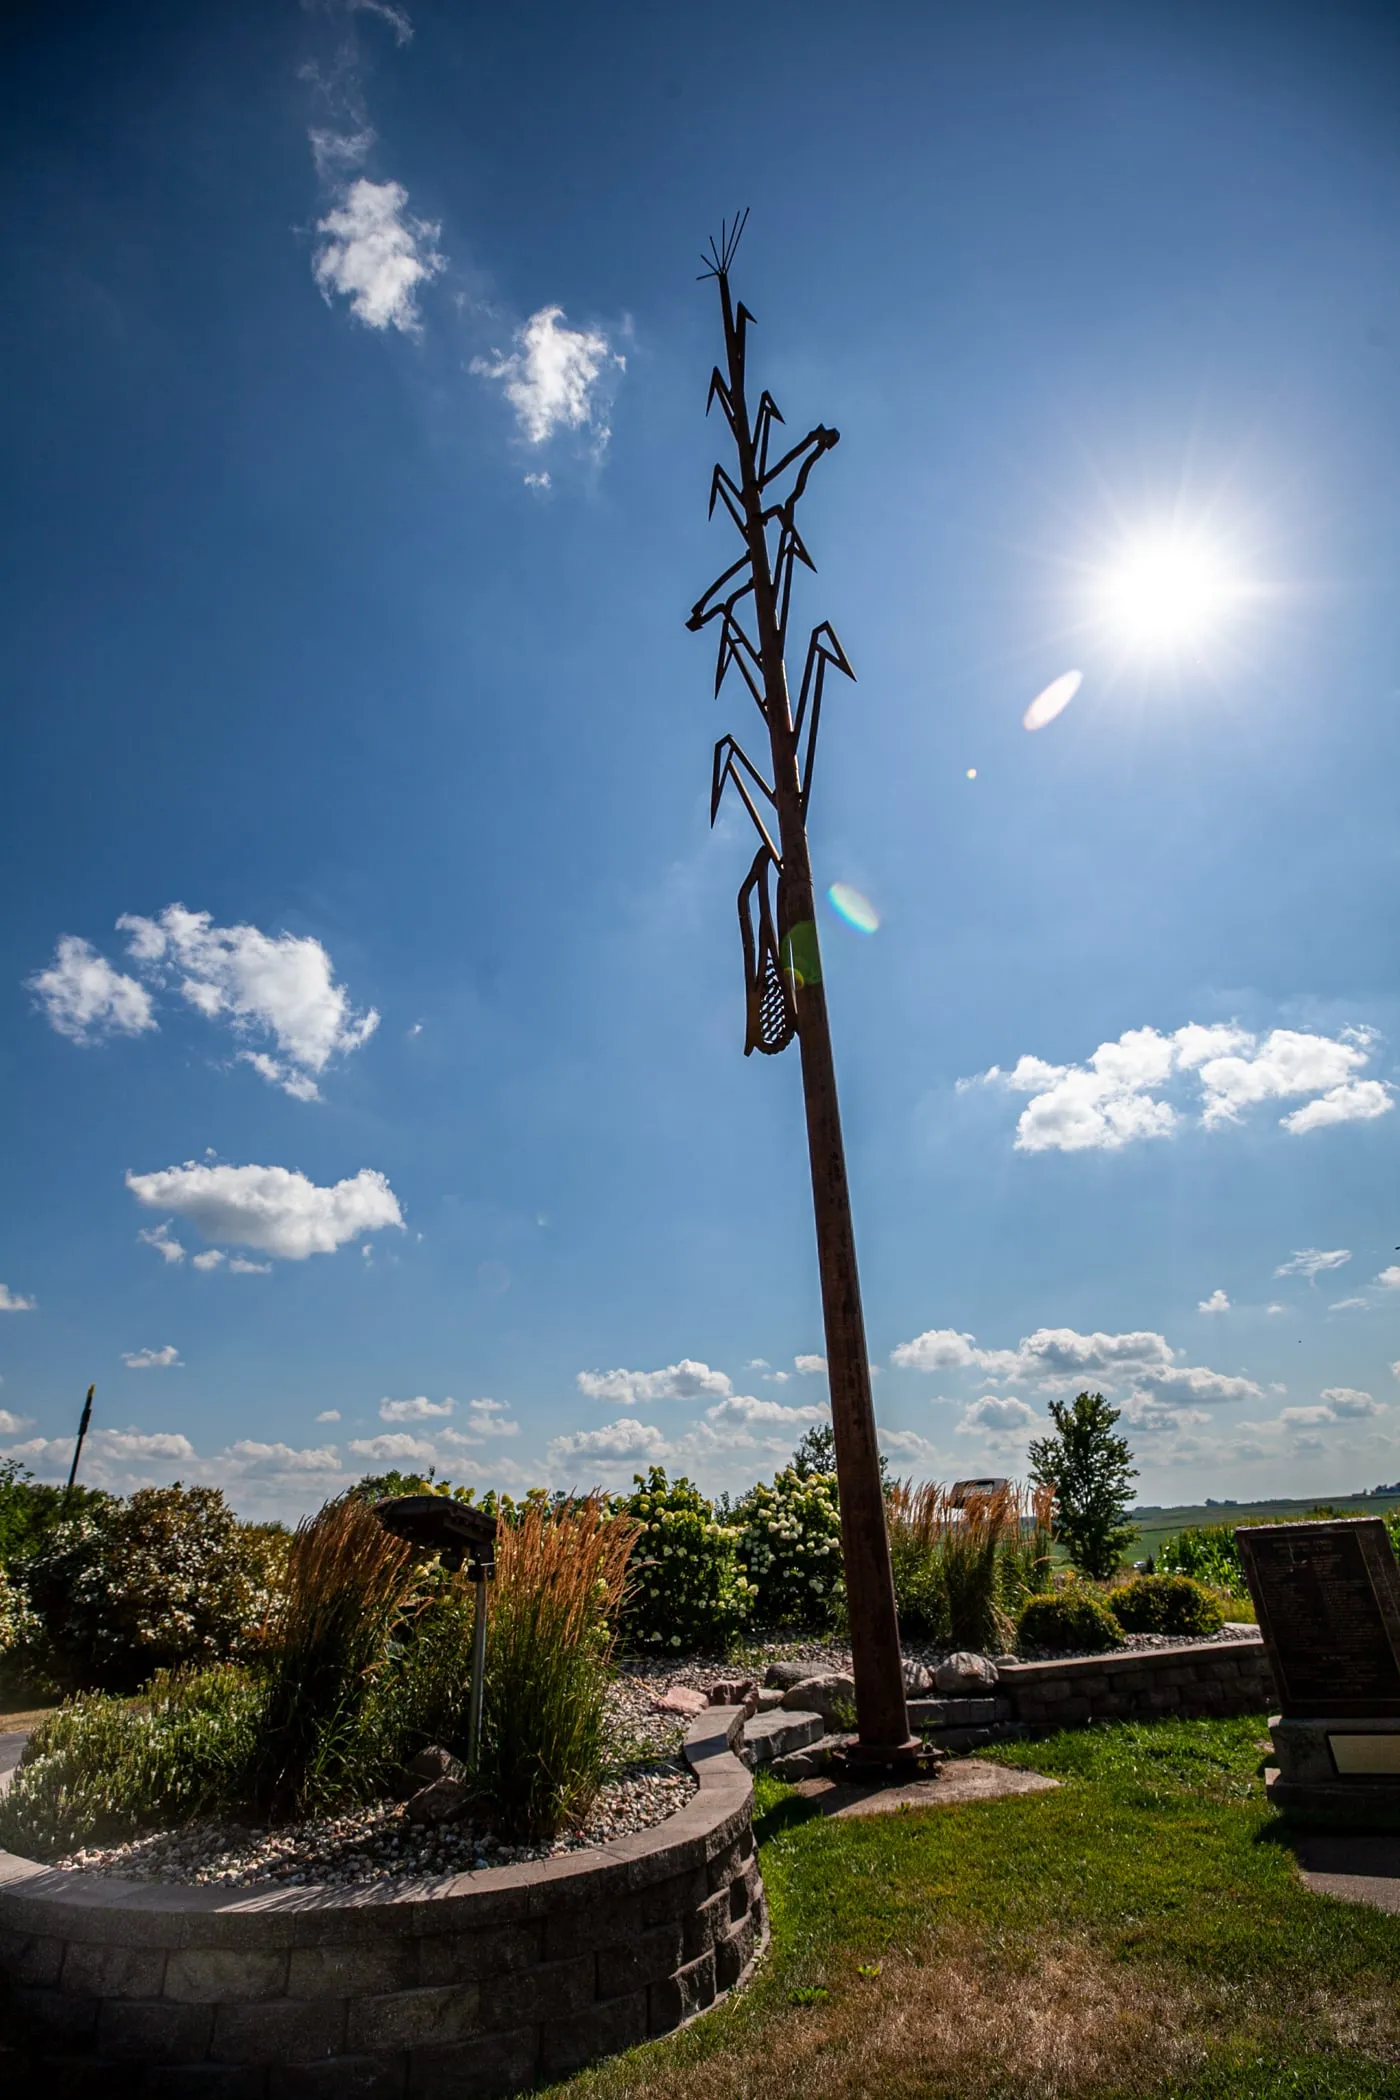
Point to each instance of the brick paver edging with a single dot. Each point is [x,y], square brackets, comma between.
[476,1985]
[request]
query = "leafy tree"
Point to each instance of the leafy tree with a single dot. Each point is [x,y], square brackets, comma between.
[1090,1470]
[30,1509]
[816,1453]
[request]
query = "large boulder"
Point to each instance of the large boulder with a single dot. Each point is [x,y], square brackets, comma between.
[832,1696]
[784,1675]
[918,1680]
[442,1802]
[965,1674]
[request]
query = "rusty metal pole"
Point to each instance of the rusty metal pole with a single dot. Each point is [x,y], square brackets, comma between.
[786,994]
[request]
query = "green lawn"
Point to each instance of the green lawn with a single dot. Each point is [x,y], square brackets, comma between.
[1142,1931]
[1154,1525]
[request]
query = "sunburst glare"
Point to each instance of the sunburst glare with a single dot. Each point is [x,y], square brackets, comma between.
[1167,591]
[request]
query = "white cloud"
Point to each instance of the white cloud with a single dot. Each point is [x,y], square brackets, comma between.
[249,1460]
[1313,1261]
[945,1349]
[1117,1096]
[1348,1404]
[11,1425]
[1349,1305]
[627,1440]
[419,1410]
[1359,1101]
[158,1236]
[907,1443]
[556,377]
[278,986]
[1389,1278]
[1275,1308]
[329,1414]
[11,1301]
[86,999]
[239,1267]
[164,1359]
[271,1208]
[1216,1302]
[393,1448]
[210,1259]
[491,1418]
[377,255]
[810,1364]
[994,1417]
[537,481]
[686,1380]
[1060,1359]
[743,1408]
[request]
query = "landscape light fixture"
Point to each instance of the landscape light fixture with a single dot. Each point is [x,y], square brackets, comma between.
[783,988]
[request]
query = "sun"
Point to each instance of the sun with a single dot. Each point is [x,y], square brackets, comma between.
[1166,592]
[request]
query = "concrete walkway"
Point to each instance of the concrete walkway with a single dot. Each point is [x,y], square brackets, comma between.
[1356,1866]
[961,1780]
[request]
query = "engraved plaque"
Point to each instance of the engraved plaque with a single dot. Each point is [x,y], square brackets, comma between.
[1328,1599]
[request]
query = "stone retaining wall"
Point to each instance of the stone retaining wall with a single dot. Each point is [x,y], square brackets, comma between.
[470,1986]
[1209,1679]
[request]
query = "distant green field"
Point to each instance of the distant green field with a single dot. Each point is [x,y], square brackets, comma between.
[1154,1525]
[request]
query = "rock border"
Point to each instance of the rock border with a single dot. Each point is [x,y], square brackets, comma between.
[474,1985]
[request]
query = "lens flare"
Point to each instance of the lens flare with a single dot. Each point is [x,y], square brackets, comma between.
[856,910]
[1053,701]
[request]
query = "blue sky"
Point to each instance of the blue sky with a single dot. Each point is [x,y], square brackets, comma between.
[372,1025]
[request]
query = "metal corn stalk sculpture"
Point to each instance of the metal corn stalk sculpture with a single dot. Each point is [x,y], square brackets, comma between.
[784,992]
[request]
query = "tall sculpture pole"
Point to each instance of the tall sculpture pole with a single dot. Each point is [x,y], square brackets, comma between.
[785,995]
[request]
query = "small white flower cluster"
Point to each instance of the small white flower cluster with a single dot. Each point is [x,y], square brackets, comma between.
[790,1543]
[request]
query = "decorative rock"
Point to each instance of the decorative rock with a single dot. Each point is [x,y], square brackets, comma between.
[832,1696]
[441,1802]
[1001,1661]
[434,1763]
[918,1680]
[813,1762]
[739,1691]
[965,1672]
[769,1697]
[681,1699]
[786,1674]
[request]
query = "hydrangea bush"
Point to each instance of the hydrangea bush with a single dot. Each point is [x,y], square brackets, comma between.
[790,1546]
[687,1588]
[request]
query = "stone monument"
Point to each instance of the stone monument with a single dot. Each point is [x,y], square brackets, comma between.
[1328,1599]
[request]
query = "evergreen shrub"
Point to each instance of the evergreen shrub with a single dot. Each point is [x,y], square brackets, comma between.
[1070,1621]
[1165,1604]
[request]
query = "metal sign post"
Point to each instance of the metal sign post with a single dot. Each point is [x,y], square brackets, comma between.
[78,1449]
[455,1532]
[784,992]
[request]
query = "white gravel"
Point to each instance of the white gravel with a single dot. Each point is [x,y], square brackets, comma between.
[376,1843]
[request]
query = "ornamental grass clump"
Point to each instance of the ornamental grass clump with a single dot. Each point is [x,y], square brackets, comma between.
[102,1769]
[561,1576]
[688,1590]
[964,1567]
[789,1544]
[347,1583]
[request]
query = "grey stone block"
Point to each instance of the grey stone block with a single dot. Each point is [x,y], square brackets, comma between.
[735,1951]
[744,1890]
[154,2031]
[601,2031]
[467,1957]
[52,2015]
[204,2082]
[680,1997]
[703,1926]
[114,1972]
[279,2031]
[413,2019]
[340,2078]
[31,1957]
[497,2063]
[772,1735]
[649,1958]
[545,1993]
[356,1971]
[218,1975]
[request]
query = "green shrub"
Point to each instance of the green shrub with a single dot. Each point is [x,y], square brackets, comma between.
[30,1510]
[347,1583]
[1208,1554]
[1165,1604]
[1068,1622]
[790,1547]
[561,1573]
[166,1580]
[102,1769]
[687,1589]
